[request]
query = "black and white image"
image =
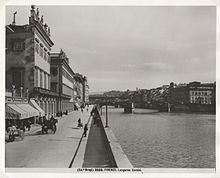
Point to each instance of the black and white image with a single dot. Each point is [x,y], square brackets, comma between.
[110,87]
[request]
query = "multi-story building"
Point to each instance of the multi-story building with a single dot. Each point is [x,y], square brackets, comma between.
[79,82]
[85,91]
[62,81]
[28,63]
[201,93]
[195,95]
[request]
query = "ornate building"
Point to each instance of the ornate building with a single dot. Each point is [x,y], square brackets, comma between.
[28,61]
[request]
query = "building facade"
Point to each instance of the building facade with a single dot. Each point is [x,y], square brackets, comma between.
[85,90]
[62,81]
[79,82]
[195,95]
[28,61]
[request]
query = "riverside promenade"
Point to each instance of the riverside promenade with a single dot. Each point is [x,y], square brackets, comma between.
[67,148]
[50,150]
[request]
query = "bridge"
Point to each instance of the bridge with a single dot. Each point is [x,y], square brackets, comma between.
[103,100]
[117,102]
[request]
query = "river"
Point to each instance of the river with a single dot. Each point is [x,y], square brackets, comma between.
[165,140]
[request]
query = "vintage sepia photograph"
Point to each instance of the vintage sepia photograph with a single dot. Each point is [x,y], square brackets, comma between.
[110,89]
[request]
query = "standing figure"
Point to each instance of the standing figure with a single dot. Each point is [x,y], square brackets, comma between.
[79,123]
[28,124]
[85,130]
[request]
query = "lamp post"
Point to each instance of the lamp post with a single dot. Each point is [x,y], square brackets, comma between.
[106,112]
[101,108]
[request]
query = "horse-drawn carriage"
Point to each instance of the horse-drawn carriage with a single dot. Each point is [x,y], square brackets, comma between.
[49,125]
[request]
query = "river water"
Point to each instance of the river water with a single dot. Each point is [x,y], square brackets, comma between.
[165,140]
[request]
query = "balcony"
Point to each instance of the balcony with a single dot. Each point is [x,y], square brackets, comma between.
[44,91]
[65,96]
[15,93]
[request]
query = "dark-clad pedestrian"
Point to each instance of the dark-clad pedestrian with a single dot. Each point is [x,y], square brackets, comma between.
[85,130]
[80,123]
[28,125]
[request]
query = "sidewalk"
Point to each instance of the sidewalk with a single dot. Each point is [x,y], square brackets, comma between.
[49,150]
[35,129]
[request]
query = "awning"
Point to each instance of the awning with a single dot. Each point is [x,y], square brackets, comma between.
[29,109]
[14,112]
[34,104]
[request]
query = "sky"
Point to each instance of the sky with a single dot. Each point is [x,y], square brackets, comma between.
[124,47]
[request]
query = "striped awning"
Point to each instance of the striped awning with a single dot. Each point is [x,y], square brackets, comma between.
[20,111]
[14,112]
[29,109]
[36,106]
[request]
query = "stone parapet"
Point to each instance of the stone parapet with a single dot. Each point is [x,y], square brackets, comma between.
[118,154]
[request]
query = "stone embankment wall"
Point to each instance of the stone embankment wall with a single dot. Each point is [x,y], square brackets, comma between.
[116,154]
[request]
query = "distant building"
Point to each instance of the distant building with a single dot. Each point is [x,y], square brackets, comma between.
[62,81]
[201,93]
[79,82]
[195,95]
[28,63]
[85,91]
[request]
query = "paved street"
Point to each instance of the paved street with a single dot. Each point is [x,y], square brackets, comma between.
[48,150]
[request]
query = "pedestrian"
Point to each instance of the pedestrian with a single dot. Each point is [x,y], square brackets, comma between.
[85,130]
[80,123]
[81,109]
[28,125]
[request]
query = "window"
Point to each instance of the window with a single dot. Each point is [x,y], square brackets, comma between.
[54,71]
[45,55]
[54,87]
[41,51]
[48,82]
[36,77]
[45,80]
[37,47]
[18,46]
[18,77]
[41,78]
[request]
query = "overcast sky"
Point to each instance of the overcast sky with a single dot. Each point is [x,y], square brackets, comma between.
[127,47]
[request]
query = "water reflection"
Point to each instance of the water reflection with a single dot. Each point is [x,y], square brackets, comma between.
[166,140]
